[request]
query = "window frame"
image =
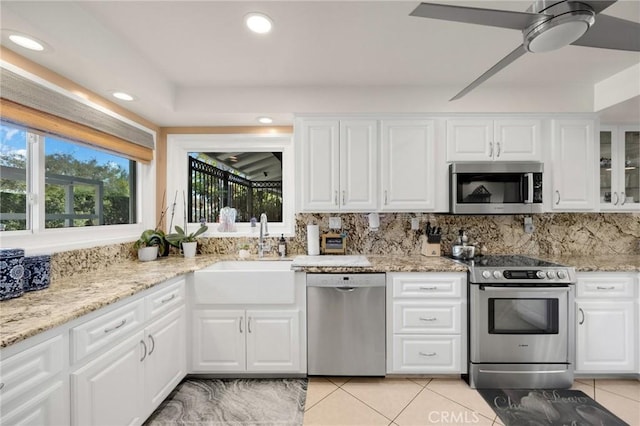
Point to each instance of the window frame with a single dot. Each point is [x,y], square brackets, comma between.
[41,240]
[180,145]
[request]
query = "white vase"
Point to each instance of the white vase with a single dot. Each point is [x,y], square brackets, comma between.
[145,254]
[189,249]
[244,254]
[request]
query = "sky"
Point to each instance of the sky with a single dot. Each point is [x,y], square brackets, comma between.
[13,141]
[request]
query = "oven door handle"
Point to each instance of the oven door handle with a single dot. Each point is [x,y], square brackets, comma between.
[563,289]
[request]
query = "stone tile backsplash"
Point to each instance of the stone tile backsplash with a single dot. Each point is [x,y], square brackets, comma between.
[555,234]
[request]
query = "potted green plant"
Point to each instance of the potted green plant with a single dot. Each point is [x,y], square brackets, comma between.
[187,242]
[149,243]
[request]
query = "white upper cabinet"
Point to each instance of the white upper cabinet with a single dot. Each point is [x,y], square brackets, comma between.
[619,166]
[493,140]
[338,161]
[407,165]
[572,166]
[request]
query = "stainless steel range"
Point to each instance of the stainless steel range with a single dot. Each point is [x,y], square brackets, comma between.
[521,313]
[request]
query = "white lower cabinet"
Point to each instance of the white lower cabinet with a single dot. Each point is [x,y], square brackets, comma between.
[34,387]
[110,389]
[246,341]
[606,317]
[128,377]
[426,323]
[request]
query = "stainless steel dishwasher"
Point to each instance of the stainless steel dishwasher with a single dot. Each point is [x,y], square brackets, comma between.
[346,324]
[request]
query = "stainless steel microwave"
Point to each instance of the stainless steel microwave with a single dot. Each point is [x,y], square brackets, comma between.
[496,187]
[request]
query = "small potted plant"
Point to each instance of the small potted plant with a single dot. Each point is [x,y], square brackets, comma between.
[187,242]
[244,252]
[149,243]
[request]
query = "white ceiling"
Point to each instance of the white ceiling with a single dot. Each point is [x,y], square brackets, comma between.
[194,63]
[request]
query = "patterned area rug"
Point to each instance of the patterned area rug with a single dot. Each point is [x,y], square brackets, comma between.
[548,407]
[233,402]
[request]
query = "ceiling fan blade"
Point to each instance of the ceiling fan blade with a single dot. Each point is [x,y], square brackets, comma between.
[599,5]
[519,51]
[474,15]
[608,32]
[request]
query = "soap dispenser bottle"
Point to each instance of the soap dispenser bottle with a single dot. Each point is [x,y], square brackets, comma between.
[282,246]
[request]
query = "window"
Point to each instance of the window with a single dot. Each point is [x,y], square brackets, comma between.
[203,177]
[250,182]
[51,185]
[87,187]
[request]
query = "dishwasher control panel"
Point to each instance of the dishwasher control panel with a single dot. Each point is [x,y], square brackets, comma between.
[346,280]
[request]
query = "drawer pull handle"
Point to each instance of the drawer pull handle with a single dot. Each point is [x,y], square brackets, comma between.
[428,288]
[108,330]
[145,350]
[605,288]
[153,344]
[428,354]
[428,319]
[1,386]
[173,296]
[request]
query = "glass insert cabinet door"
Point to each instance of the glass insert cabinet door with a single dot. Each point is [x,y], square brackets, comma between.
[619,166]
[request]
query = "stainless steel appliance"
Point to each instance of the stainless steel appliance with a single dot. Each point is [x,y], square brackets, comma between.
[521,313]
[496,187]
[346,324]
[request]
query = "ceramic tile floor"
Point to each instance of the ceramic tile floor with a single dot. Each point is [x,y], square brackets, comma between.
[403,401]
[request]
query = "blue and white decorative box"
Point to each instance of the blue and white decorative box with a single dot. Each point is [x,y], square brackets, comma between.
[11,273]
[37,272]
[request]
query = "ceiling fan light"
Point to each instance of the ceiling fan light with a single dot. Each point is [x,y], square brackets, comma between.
[559,31]
[558,36]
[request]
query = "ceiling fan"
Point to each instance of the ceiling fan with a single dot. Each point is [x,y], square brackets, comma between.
[546,25]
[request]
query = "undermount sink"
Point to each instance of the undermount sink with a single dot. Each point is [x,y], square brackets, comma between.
[245,282]
[250,265]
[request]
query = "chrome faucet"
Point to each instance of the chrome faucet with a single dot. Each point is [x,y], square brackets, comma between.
[264,231]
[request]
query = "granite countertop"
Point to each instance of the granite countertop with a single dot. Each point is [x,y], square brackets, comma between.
[598,263]
[69,298]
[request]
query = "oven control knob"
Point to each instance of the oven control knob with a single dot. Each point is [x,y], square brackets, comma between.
[551,274]
[541,275]
[486,275]
[562,275]
[497,274]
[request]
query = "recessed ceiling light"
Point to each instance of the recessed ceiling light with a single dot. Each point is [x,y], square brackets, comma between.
[258,22]
[265,120]
[27,42]
[123,96]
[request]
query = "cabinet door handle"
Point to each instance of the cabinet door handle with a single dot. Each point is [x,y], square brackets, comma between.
[249,324]
[108,330]
[598,287]
[623,198]
[498,149]
[428,319]
[144,345]
[558,194]
[581,314]
[385,197]
[428,354]
[240,322]
[343,196]
[335,197]
[617,199]
[153,344]
[173,296]
[1,386]
[490,149]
